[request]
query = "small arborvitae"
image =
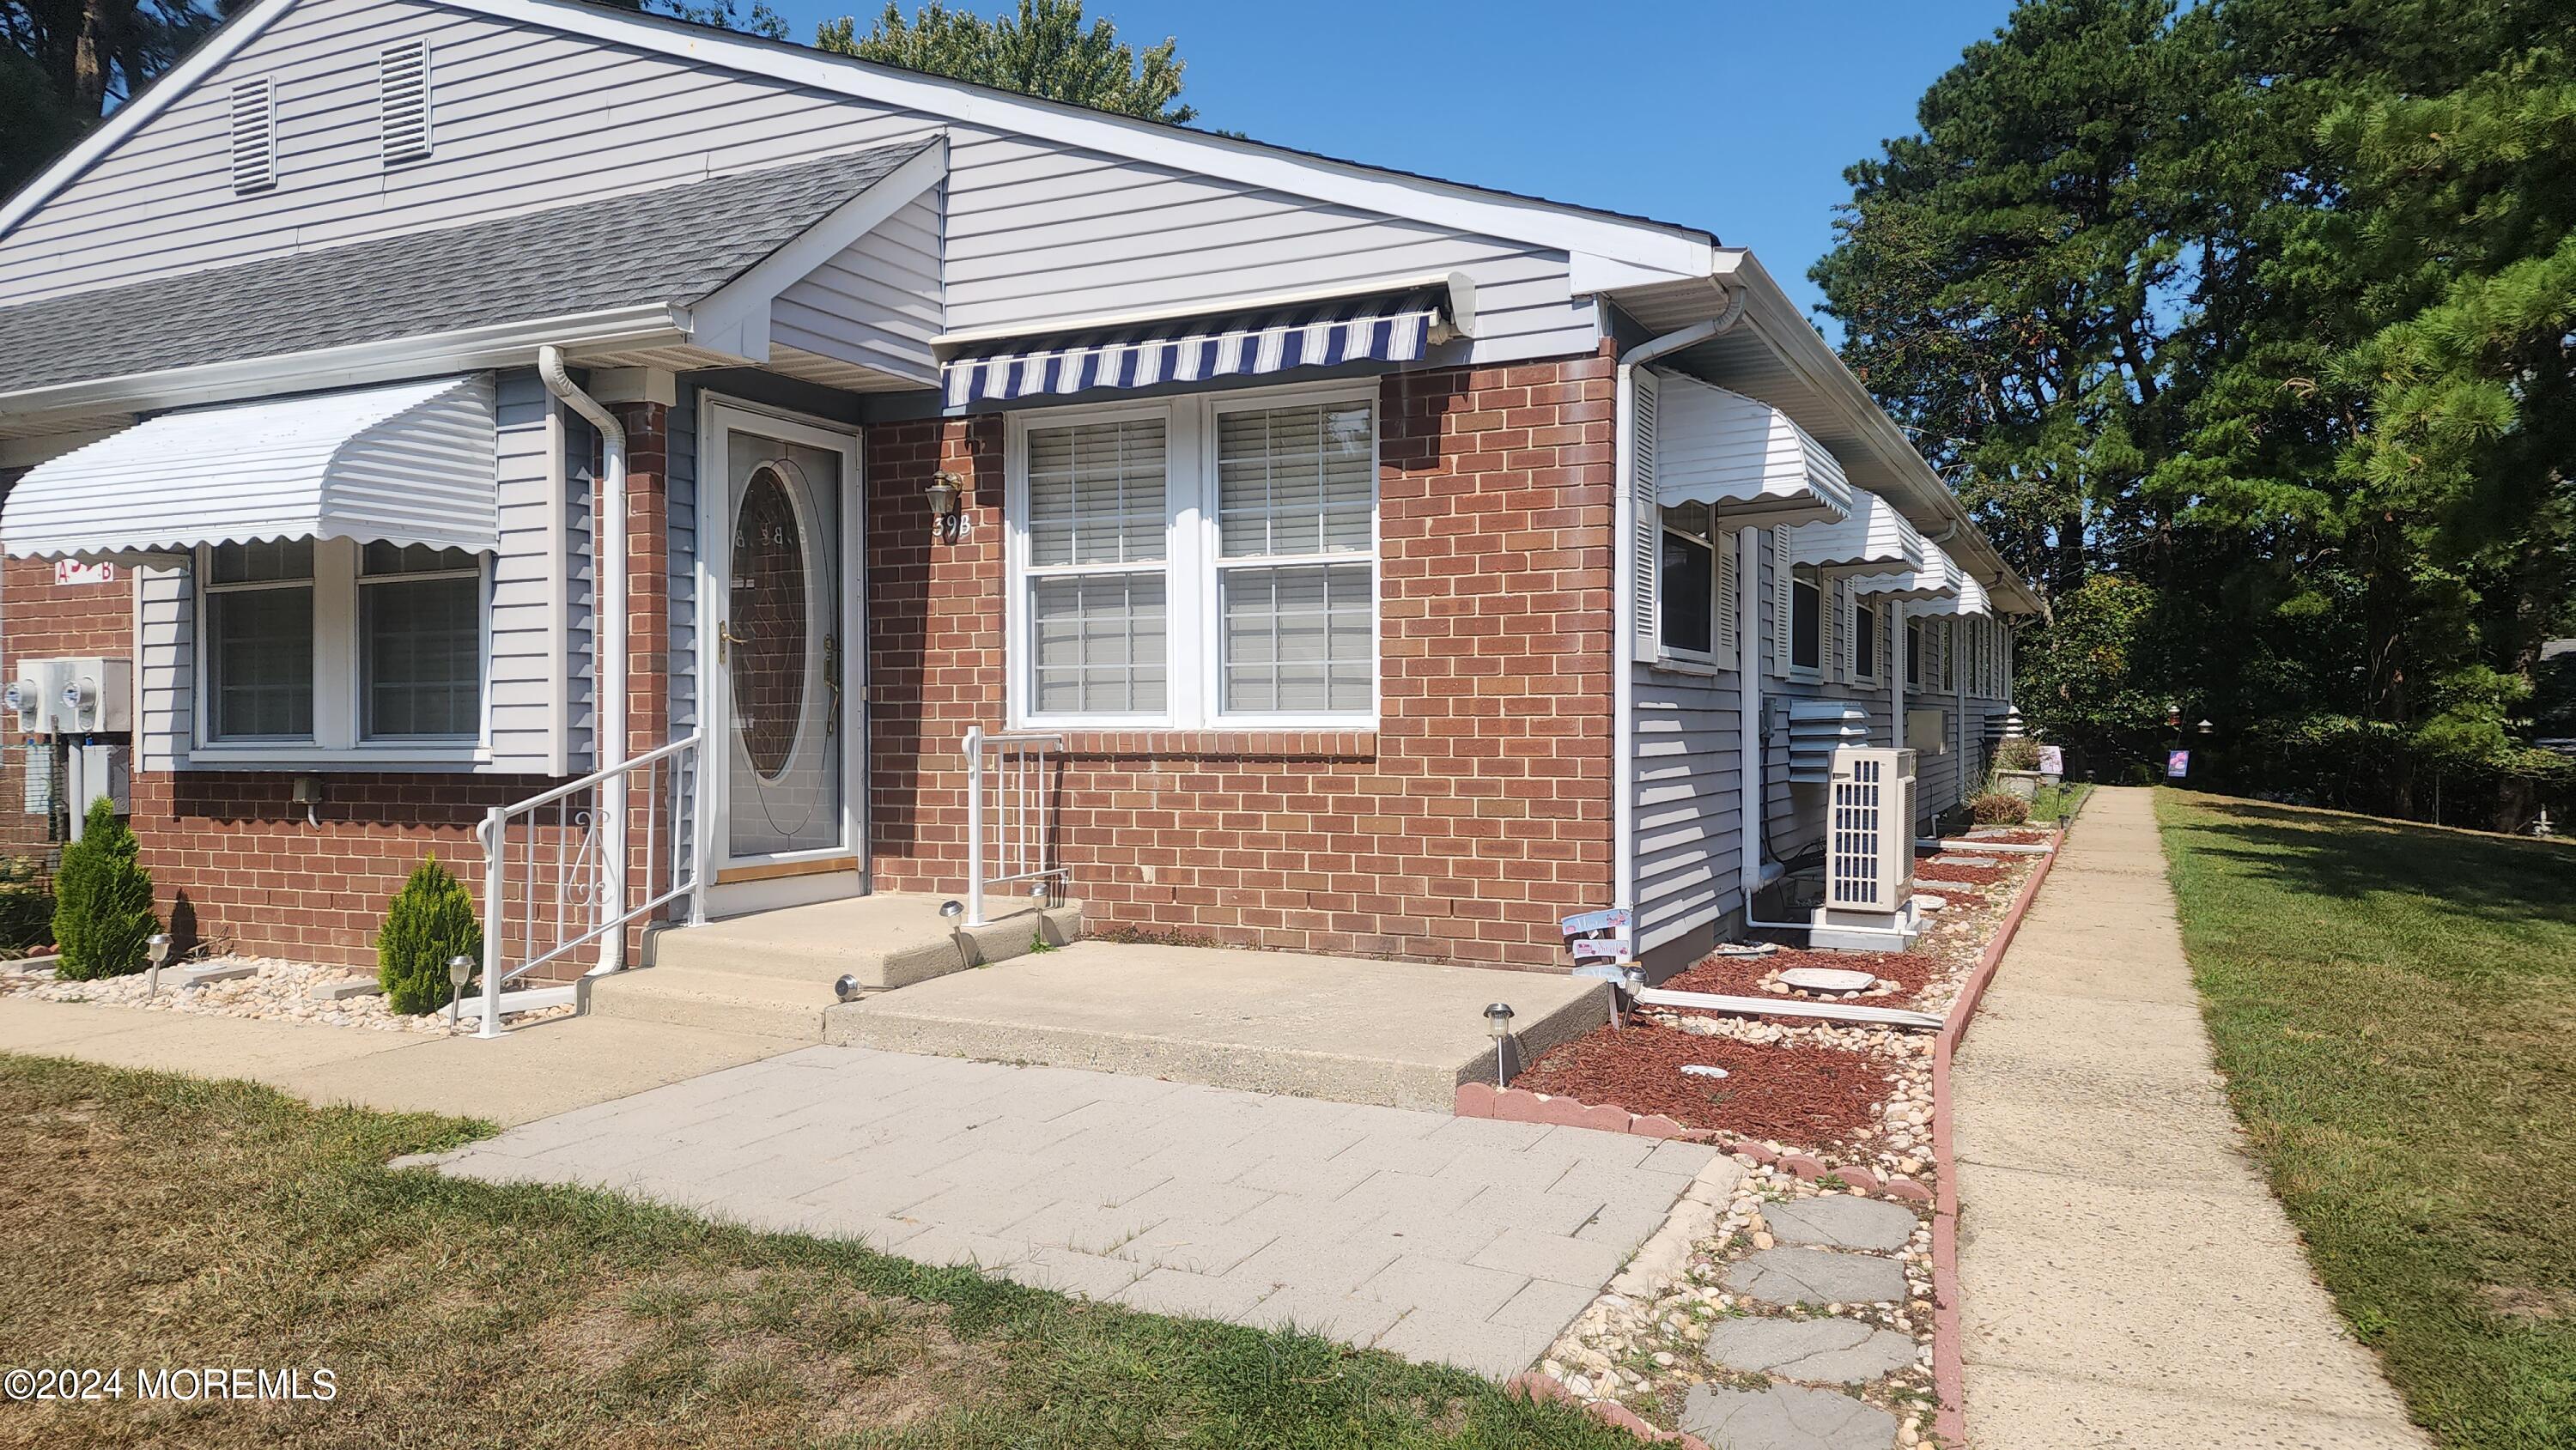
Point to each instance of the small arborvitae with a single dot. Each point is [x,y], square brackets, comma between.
[430,920]
[103,921]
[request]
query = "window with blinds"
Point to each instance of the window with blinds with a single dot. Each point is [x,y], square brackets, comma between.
[1296,505]
[1098,636]
[1215,561]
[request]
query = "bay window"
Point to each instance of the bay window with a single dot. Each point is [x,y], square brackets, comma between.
[325,645]
[1206,561]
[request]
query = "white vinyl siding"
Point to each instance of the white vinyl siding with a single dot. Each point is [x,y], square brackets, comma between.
[526,119]
[877,305]
[1210,561]
[254,135]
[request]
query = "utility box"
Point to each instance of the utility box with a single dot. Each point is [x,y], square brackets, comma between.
[37,683]
[96,697]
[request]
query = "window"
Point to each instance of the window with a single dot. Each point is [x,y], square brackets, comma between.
[1209,561]
[1914,654]
[1806,620]
[1865,641]
[259,640]
[1686,584]
[332,645]
[420,640]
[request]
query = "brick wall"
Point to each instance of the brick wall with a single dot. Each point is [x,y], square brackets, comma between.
[1475,815]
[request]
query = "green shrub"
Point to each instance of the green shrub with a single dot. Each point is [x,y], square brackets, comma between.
[103,917]
[2017,754]
[1999,808]
[430,920]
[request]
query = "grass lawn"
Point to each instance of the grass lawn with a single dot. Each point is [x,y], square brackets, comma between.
[2395,1010]
[155,1221]
[2055,803]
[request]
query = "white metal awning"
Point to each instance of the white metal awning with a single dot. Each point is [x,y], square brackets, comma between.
[1939,578]
[1873,539]
[1741,457]
[1969,597]
[411,463]
[1384,324]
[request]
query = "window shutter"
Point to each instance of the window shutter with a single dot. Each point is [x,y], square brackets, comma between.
[402,81]
[1725,572]
[254,136]
[1829,623]
[1645,518]
[1784,604]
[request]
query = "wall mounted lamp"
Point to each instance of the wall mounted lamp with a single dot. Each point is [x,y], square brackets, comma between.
[945,492]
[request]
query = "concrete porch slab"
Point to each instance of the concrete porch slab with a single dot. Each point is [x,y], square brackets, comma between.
[1399,1034]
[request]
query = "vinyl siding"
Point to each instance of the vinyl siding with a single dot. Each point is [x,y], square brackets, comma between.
[876,305]
[1688,824]
[165,637]
[527,118]
[522,678]
[680,482]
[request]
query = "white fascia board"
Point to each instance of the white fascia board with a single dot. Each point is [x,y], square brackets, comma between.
[1680,251]
[241,30]
[1804,351]
[735,317]
[508,344]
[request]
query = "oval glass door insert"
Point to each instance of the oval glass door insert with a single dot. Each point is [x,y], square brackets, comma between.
[771,624]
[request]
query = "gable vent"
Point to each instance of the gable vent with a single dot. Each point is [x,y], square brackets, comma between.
[254,135]
[402,76]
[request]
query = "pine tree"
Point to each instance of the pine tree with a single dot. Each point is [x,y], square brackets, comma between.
[103,919]
[429,921]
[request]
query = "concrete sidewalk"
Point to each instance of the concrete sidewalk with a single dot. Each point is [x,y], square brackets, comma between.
[2127,1278]
[533,1072]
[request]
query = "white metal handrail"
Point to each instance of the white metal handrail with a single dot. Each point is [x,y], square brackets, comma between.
[1010,837]
[563,882]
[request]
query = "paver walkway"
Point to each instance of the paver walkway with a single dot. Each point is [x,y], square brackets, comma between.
[2126,1277]
[1467,1241]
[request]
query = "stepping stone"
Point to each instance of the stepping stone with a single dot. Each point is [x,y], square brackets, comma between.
[1785,1417]
[340,989]
[1827,979]
[1946,859]
[200,976]
[1840,1221]
[1828,1351]
[1816,1276]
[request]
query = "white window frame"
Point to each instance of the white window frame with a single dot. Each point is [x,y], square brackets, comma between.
[1807,576]
[1720,598]
[1193,680]
[1865,663]
[338,711]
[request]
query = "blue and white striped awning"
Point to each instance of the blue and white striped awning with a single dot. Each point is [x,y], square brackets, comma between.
[1389,327]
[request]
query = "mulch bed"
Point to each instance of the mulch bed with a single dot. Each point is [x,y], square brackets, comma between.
[1809,1096]
[1741,976]
[1934,870]
[2016,838]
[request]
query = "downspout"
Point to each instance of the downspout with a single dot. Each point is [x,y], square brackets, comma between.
[1623,577]
[608,642]
[1753,792]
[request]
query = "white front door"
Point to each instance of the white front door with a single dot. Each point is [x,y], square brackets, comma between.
[780,609]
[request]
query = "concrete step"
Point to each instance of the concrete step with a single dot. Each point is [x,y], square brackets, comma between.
[775,972]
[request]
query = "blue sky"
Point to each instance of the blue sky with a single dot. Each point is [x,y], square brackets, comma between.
[1731,115]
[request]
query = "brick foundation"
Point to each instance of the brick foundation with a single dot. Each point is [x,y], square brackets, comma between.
[1475,815]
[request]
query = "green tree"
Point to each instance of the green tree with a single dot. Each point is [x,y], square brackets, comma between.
[103,918]
[429,921]
[1043,50]
[66,63]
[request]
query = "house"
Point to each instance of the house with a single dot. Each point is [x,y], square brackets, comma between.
[410,408]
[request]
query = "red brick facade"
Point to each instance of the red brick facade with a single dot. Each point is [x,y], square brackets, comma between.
[1460,829]
[1475,815]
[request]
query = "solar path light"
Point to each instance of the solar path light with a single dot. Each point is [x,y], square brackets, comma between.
[157,948]
[1498,1021]
[459,968]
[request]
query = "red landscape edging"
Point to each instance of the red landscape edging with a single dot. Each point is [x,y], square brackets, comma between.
[1949,1372]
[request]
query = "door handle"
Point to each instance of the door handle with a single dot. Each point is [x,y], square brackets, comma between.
[725,637]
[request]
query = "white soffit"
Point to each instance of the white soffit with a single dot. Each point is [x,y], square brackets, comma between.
[1940,577]
[1874,539]
[1745,459]
[412,463]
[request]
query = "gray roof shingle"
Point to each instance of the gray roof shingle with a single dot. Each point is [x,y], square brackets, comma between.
[673,245]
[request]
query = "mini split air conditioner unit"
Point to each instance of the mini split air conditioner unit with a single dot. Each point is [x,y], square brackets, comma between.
[1869,852]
